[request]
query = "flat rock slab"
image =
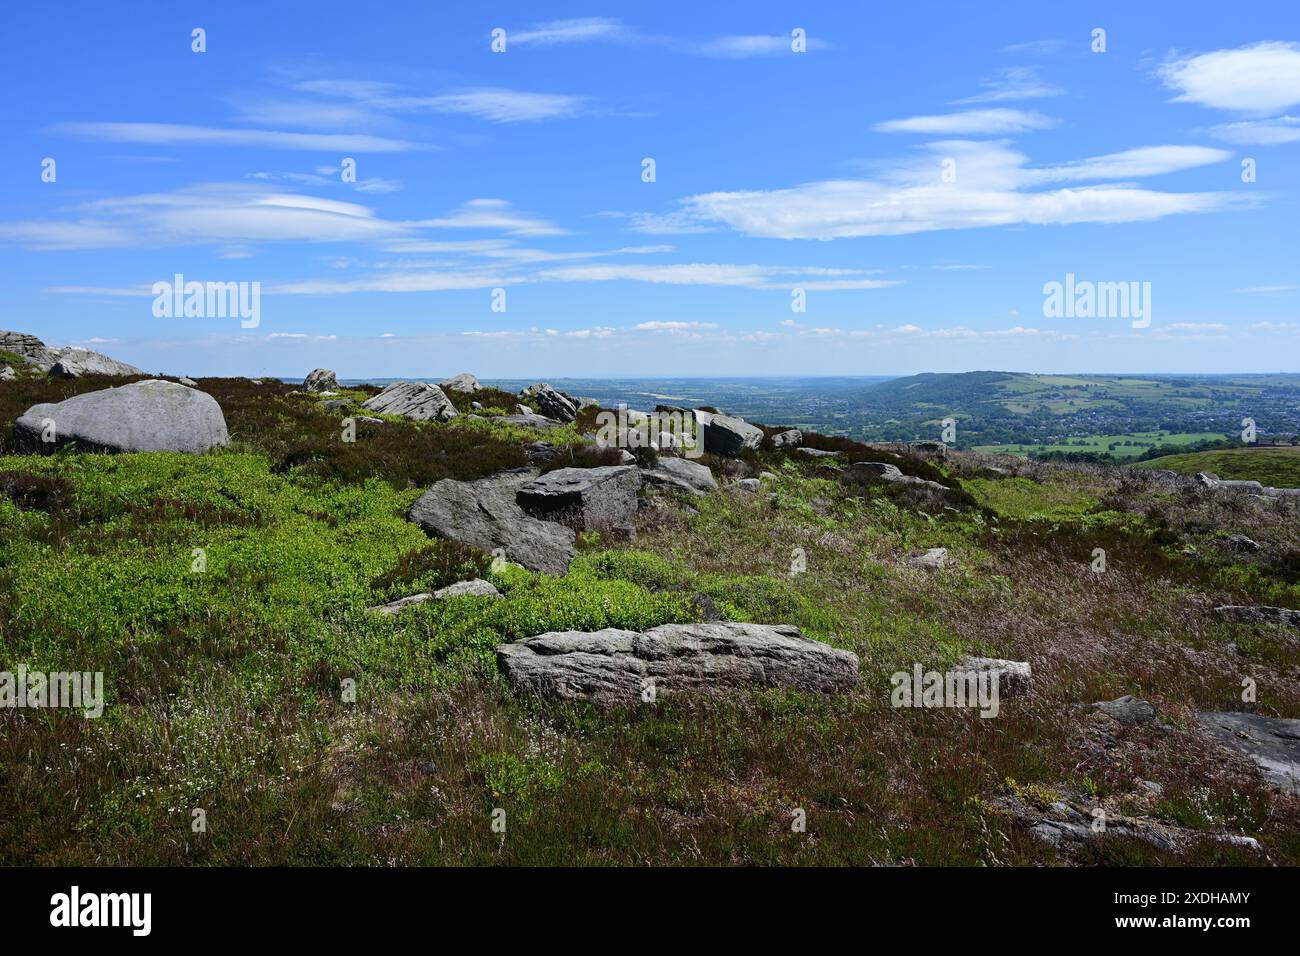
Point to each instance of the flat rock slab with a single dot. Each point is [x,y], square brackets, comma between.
[531,421]
[890,474]
[679,474]
[464,382]
[1258,614]
[415,400]
[152,415]
[75,362]
[485,514]
[814,452]
[614,666]
[474,588]
[585,498]
[1271,743]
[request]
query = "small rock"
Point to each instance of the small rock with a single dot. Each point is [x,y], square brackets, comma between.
[748,484]
[1239,542]
[1259,614]
[321,380]
[791,439]
[1127,710]
[1014,677]
[932,559]
[475,588]
[815,453]
[464,382]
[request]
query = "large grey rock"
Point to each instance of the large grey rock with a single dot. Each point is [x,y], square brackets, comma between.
[1259,614]
[681,475]
[464,382]
[614,666]
[1271,743]
[29,347]
[75,362]
[485,514]
[584,498]
[321,380]
[727,435]
[1014,677]
[418,400]
[152,415]
[549,402]
[791,438]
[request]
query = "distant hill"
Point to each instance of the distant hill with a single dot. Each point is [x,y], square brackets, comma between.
[1279,467]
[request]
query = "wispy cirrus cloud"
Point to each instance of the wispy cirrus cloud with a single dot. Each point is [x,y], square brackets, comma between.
[178,134]
[991,122]
[1013,83]
[1266,132]
[582,30]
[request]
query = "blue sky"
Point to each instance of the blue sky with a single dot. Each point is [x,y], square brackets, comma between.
[921,171]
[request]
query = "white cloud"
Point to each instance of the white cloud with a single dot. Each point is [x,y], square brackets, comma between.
[1013,83]
[499,105]
[496,215]
[1197,327]
[713,274]
[576,30]
[674,326]
[969,123]
[179,134]
[1269,289]
[991,189]
[1261,78]
[1266,132]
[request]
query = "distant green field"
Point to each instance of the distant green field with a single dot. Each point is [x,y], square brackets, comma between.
[1120,446]
[1279,467]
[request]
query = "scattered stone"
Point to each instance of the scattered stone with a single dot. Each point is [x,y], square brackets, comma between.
[614,666]
[727,435]
[532,421]
[152,415]
[369,420]
[464,382]
[475,588]
[419,401]
[74,363]
[706,608]
[680,474]
[401,604]
[815,453]
[541,451]
[320,380]
[522,409]
[1259,614]
[551,403]
[1014,677]
[485,514]
[477,406]
[1239,542]
[188,382]
[748,484]
[7,373]
[768,476]
[1271,743]
[933,559]
[336,404]
[791,439]
[584,498]
[890,474]
[1127,710]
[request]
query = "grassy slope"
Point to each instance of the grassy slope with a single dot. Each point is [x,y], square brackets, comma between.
[1279,467]
[224,684]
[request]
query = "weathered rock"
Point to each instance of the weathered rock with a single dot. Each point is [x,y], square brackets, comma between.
[1259,614]
[401,604]
[726,435]
[792,438]
[1014,677]
[890,474]
[475,588]
[541,451]
[619,667]
[681,475]
[815,452]
[7,374]
[1127,710]
[74,363]
[532,421]
[932,559]
[1271,743]
[1239,542]
[29,347]
[417,400]
[337,405]
[550,403]
[321,380]
[751,485]
[152,415]
[464,382]
[584,498]
[485,514]
[188,382]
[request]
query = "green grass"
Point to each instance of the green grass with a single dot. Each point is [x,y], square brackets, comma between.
[1129,445]
[1279,467]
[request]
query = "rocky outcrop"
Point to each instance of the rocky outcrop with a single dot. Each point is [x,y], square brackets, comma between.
[550,403]
[1271,743]
[678,474]
[74,363]
[321,380]
[1259,614]
[152,415]
[485,514]
[587,499]
[614,666]
[464,382]
[417,400]
[727,435]
[29,347]
[790,439]
[1213,482]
